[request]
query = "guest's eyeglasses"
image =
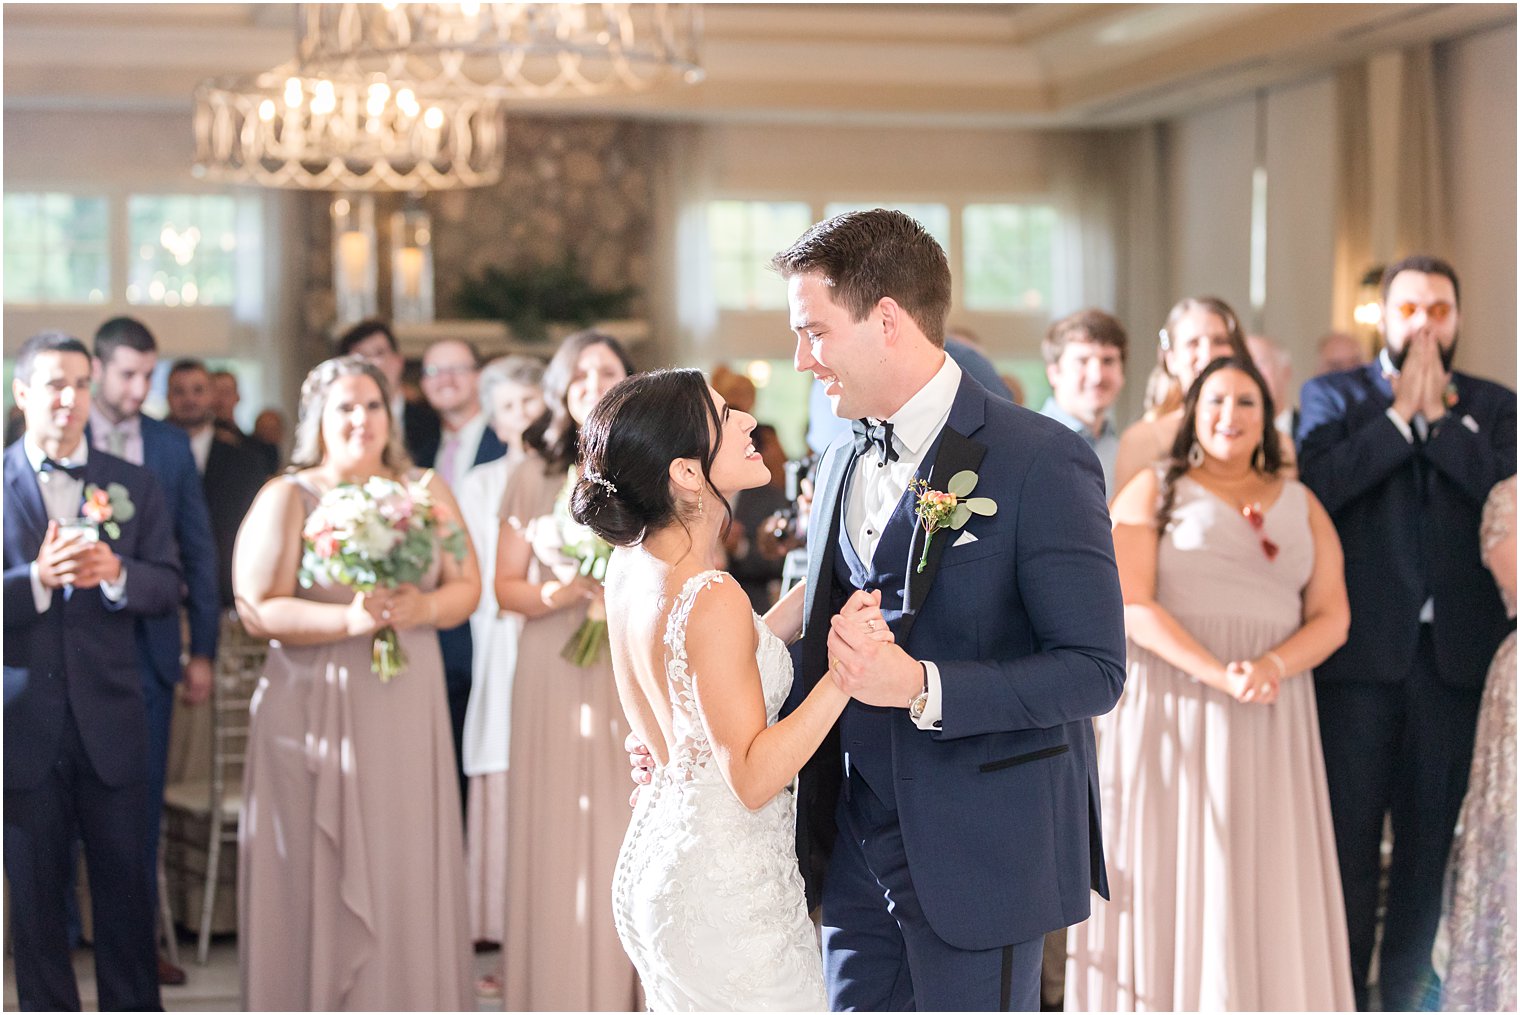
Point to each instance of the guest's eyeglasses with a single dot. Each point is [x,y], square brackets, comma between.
[1258,519]
[459,370]
[1438,311]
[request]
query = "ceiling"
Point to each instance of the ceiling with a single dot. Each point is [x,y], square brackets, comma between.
[995,65]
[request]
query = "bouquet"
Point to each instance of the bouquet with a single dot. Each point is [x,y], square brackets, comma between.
[590,553]
[378,534]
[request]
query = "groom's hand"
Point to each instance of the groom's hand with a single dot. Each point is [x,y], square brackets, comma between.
[872,671]
[641,764]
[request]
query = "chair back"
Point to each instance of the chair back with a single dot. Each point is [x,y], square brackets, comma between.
[239,664]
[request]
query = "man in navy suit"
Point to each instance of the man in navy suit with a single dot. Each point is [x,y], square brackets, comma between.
[76,737]
[231,472]
[1402,452]
[951,819]
[451,383]
[125,358]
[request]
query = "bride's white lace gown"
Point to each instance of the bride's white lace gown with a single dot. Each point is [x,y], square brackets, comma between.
[707,897]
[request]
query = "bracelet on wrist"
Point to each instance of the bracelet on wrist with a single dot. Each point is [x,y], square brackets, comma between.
[1282,667]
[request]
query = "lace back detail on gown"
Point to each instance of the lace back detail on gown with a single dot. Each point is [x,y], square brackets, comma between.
[693,752]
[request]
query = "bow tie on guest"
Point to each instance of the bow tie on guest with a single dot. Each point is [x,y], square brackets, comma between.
[879,435]
[53,465]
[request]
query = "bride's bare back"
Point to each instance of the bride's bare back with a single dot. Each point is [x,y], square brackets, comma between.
[641,589]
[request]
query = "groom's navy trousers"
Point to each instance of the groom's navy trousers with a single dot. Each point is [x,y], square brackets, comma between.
[941,857]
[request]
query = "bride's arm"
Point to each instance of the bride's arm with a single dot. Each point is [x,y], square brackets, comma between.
[757,761]
[785,618]
[264,564]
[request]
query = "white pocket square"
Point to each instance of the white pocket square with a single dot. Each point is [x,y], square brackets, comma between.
[965,538]
[1470,423]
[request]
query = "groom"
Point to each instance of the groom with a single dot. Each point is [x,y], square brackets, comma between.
[951,819]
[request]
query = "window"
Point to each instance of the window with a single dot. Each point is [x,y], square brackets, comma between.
[56,249]
[745,235]
[183,249]
[935,218]
[1009,256]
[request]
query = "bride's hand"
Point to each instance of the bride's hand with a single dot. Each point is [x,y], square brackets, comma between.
[863,609]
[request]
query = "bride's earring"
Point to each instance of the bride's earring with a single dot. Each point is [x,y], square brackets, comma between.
[1195,455]
[699,503]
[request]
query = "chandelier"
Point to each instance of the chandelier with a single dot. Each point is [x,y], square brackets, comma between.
[528,50]
[289,128]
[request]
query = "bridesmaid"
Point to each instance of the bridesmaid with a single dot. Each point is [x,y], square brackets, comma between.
[1480,883]
[1198,330]
[351,875]
[567,778]
[1225,890]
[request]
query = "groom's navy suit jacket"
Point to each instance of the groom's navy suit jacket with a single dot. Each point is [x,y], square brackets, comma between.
[998,807]
[80,655]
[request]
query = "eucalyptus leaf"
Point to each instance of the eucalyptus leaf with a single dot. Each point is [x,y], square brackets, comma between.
[980,505]
[962,483]
[961,515]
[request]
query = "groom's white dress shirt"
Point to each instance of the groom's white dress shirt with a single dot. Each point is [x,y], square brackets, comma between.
[876,487]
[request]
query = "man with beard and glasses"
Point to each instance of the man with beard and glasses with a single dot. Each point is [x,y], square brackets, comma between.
[1402,453]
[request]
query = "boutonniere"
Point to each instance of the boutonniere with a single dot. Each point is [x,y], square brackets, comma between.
[948,509]
[107,507]
[1449,396]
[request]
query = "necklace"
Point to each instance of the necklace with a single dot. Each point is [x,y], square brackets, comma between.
[1258,520]
[1253,514]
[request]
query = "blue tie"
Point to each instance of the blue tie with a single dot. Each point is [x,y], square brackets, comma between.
[879,435]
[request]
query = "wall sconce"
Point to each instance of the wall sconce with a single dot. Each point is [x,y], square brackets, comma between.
[355,259]
[412,264]
[1369,299]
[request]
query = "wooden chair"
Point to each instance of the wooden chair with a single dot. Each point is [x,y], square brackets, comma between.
[216,801]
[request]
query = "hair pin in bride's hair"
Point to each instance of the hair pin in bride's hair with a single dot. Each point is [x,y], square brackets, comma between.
[601,481]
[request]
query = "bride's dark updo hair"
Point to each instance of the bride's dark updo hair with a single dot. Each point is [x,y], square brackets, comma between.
[627,445]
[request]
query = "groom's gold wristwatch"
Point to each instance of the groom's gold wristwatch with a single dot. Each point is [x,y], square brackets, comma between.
[918,704]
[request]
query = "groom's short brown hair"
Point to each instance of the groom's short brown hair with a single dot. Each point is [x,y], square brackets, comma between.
[867,255]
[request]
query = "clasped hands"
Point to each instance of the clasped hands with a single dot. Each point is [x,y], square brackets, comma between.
[1253,681]
[70,559]
[864,661]
[1420,386]
[401,607]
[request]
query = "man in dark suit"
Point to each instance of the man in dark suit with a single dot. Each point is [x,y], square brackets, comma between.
[1402,452]
[451,384]
[231,473]
[225,397]
[416,421]
[126,355]
[954,809]
[76,737]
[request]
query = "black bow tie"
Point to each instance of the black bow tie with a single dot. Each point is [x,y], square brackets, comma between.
[880,435]
[53,465]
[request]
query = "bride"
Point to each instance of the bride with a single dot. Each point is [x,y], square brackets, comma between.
[707,897]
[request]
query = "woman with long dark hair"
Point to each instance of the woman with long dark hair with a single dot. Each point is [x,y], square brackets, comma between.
[567,772]
[1198,330]
[708,897]
[1221,854]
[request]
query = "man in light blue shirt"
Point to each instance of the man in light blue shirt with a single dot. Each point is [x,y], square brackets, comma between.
[1084,360]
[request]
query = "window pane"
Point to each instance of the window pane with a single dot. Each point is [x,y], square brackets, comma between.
[1010,256]
[183,249]
[782,400]
[935,218]
[744,236]
[56,249]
